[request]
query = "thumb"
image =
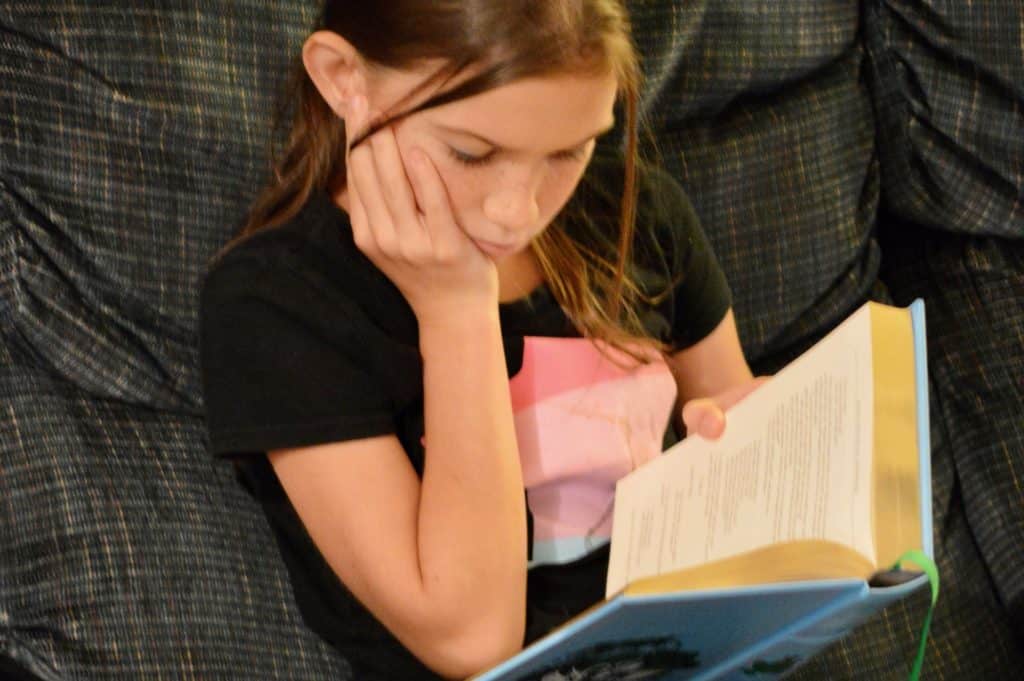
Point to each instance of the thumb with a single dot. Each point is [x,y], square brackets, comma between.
[704,417]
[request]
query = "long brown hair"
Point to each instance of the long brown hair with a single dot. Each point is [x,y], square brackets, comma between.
[511,39]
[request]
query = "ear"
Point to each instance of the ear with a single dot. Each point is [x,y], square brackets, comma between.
[336,69]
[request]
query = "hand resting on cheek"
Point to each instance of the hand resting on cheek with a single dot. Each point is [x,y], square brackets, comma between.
[402,220]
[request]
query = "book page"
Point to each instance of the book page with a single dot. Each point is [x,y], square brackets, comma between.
[794,463]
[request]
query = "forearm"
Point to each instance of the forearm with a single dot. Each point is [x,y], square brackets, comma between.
[712,365]
[472,516]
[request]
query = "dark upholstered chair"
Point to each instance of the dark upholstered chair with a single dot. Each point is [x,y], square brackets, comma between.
[835,151]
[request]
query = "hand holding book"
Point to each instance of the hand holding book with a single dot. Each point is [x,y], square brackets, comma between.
[705,416]
[752,547]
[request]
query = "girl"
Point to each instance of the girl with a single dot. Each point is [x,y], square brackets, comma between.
[446,298]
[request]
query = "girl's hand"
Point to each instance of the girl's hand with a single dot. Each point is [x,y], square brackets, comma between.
[403,221]
[706,416]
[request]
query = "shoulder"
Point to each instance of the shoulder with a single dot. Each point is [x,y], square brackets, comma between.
[273,252]
[272,283]
[309,257]
[306,273]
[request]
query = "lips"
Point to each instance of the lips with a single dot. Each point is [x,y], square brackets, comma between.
[493,248]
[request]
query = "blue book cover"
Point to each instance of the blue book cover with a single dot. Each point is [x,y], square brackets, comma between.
[695,622]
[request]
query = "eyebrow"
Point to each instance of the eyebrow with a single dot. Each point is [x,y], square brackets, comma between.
[498,147]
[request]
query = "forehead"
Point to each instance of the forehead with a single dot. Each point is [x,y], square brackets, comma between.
[537,113]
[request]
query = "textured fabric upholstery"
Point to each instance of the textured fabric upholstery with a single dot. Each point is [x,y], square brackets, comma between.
[130,554]
[763,119]
[948,79]
[766,112]
[132,137]
[973,288]
[949,83]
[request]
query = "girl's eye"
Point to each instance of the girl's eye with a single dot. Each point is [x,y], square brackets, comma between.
[468,160]
[576,154]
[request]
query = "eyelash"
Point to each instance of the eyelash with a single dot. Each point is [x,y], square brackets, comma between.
[465,159]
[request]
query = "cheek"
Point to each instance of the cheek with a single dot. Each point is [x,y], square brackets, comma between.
[560,187]
[458,186]
[464,191]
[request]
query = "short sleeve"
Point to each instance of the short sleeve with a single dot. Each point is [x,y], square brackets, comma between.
[274,375]
[700,296]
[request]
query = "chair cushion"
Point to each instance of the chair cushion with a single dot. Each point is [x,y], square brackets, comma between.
[129,550]
[133,137]
[760,113]
[948,79]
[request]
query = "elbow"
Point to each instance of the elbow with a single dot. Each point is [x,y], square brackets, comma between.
[458,634]
[472,649]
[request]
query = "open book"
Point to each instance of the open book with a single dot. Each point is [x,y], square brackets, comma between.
[748,554]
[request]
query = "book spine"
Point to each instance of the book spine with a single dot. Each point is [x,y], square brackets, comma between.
[917,319]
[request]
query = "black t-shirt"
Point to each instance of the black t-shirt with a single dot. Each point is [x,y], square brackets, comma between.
[304,341]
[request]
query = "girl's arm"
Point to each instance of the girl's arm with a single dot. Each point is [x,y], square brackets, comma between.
[711,376]
[440,561]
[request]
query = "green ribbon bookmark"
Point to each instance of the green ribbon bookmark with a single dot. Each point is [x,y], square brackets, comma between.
[919,559]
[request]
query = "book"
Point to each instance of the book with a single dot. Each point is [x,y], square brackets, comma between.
[744,556]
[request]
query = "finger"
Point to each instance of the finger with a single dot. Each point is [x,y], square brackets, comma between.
[432,198]
[363,231]
[395,186]
[361,234]
[356,214]
[703,417]
[359,123]
[363,174]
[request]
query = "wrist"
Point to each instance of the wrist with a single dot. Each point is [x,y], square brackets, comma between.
[457,316]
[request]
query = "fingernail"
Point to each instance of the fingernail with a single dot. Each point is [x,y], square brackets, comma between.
[702,425]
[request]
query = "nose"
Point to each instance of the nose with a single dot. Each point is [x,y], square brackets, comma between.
[513,206]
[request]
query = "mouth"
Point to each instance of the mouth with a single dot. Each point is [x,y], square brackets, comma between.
[495,249]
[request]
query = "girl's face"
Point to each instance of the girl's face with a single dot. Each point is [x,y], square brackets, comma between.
[510,157]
